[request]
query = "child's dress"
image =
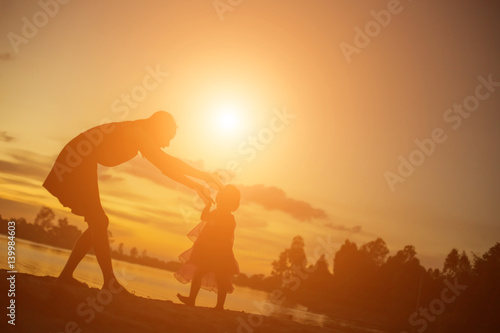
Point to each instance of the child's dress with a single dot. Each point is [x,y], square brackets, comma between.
[212,251]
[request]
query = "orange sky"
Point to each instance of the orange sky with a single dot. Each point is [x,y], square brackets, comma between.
[352,120]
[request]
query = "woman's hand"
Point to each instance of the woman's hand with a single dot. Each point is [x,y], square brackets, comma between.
[214,180]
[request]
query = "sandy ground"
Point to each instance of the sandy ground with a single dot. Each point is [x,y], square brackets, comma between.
[42,306]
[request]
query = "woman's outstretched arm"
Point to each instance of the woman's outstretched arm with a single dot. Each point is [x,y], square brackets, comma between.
[178,171]
[174,168]
[170,166]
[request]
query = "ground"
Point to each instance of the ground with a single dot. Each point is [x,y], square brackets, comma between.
[44,306]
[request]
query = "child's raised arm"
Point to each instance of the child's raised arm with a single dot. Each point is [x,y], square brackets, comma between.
[206,211]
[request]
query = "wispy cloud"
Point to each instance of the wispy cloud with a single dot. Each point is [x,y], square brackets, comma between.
[35,166]
[141,168]
[252,222]
[273,198]
[22,181]
[6,56]
[107,177]
[269,197]
[26,164]
[5,137]
[354,230]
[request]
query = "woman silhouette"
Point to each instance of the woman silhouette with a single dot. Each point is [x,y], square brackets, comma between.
[73,178]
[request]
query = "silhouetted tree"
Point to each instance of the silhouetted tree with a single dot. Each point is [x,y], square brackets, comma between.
[320,278]
[20,221]
[376,250]
[134,252]
[110,237]
[345,262]
[256,280]
[44,218]
[457,266]
[241,279]
[64,235]
[296,254]
[435,274]
[290,261]
[450,267]
[464,266]
[63,223]
[481,304]
[281,265]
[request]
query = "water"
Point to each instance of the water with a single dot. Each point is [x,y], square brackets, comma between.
[39,259]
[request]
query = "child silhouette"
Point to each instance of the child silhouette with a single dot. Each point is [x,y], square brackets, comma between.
[210,263]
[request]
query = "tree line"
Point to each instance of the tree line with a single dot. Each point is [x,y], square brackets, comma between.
[61,234]
[395,292]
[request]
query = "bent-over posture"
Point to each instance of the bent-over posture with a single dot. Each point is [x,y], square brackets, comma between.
[73,178]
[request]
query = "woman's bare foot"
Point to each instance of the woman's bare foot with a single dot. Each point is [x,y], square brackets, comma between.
[219,308]
[70,281]
[185,300]
[116,287]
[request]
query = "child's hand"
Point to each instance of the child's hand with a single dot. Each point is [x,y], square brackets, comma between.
[204,195]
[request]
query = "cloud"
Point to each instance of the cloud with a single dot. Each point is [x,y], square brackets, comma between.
[106,177]
[22,182]
[26,163]
[126,215]
[5,137]
[6,56]
[15,209]
[252,222]
[356,229]
[269,197]
[273,198]
[139,167]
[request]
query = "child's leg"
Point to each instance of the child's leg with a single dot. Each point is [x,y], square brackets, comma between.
[195,288]
[196,284]
[223,282]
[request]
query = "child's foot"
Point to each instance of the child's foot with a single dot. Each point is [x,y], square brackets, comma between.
[185,300]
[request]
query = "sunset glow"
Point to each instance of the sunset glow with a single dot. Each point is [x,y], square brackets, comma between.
[333,125]
[228,119]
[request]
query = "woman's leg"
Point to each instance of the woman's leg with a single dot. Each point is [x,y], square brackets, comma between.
[98,226]
[81,248]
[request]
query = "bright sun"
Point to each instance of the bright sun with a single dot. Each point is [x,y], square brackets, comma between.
[228,119]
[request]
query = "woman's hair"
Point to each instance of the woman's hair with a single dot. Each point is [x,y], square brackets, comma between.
[228,197]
